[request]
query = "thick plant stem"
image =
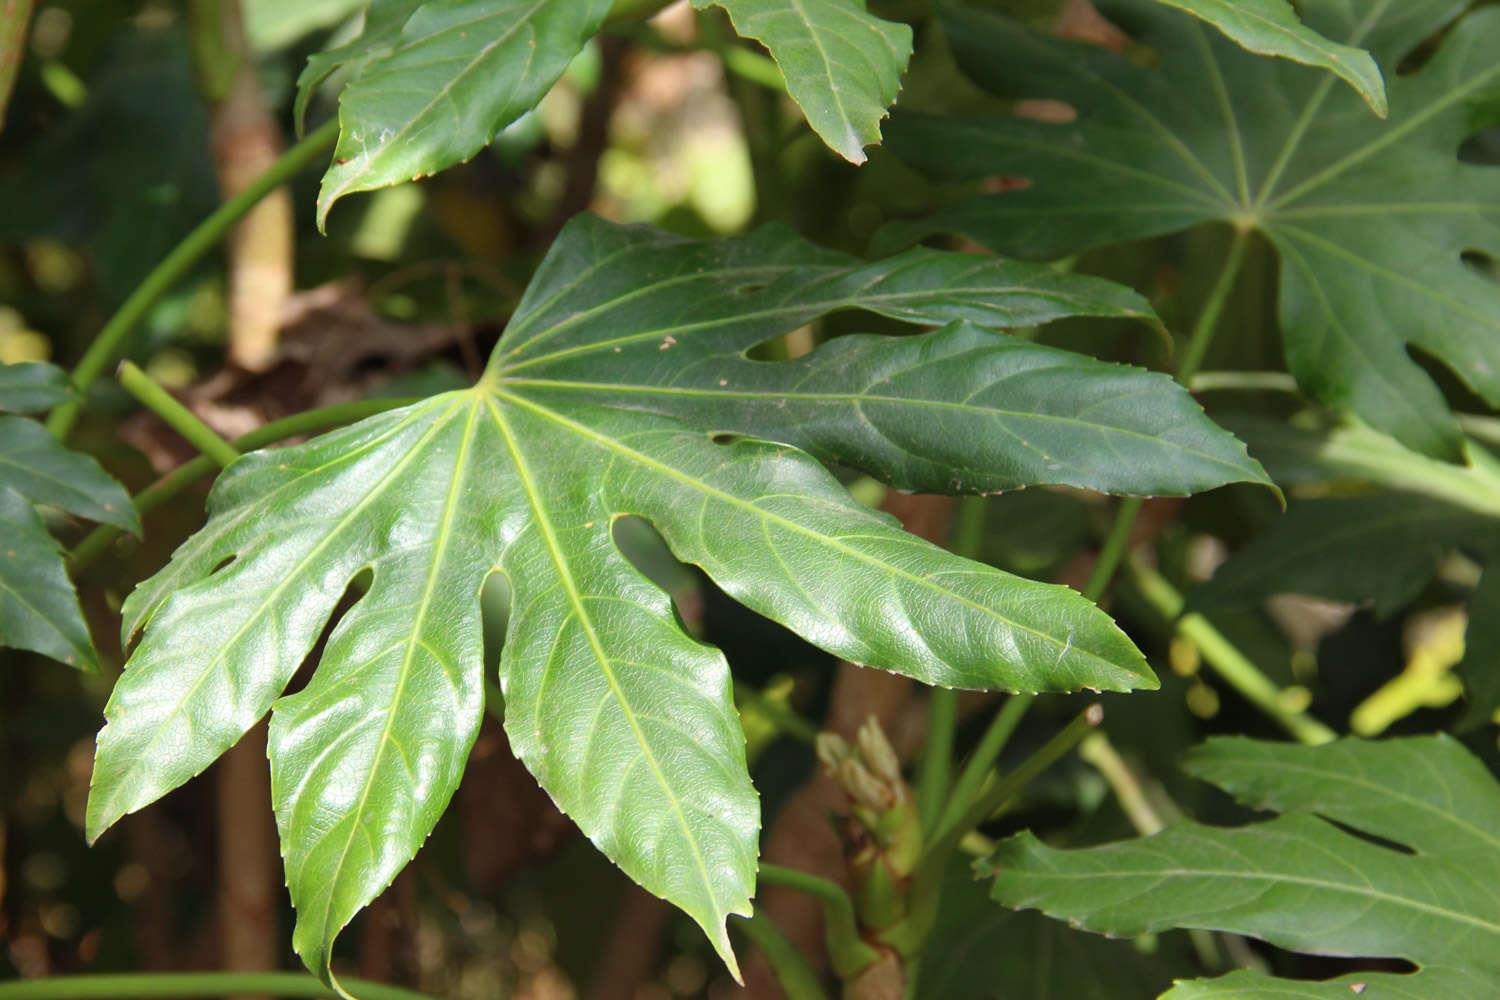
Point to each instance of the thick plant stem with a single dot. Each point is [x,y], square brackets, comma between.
[1226,660]
[15,18]
[165,985]
[849,952]
[106,346]
[796,978]
[174,482]
[178,417]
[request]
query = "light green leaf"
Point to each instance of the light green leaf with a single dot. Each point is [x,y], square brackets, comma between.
[36,466]
[625,719]
[31,387]
[1370,218]
[435,80]
[1302,881]
[1272,28]
[38,609]
[842,64]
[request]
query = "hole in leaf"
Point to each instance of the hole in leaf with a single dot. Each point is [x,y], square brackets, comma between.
[725,438]
[495,605]
[1371,838]
[1482,263]
[644,548]
[358,586]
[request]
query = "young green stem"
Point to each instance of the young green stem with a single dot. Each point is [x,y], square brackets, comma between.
[796,978]
[1226,660]
[163,985]
[926,892]
[942,711]
[990,746]
[1218,298]
[849,952]
[106,346]
[178,417]
[174,482]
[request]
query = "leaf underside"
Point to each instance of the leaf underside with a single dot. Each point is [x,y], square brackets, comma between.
[842,64]
[1371,219]
[623,387]
[433,81]
[1302,881]
[1272,28]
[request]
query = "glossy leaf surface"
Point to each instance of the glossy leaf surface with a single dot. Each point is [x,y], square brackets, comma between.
[1370,218]
[1302,881]
[1272,28]
[842,64]
[625,719]
[435,80]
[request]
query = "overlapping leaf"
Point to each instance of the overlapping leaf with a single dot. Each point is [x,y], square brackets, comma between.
[591,410]
[434,81]
[1272,28]
[38,607]
[842,64]
[1303,881]
[1370,218]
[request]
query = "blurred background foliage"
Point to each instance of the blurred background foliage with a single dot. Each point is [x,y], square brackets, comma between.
[106,161]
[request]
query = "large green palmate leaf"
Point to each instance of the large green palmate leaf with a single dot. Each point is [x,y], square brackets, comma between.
[1272,28]
[38,608]
[1371,219]
[1382,548]
[1303,880]
[842,64]
[433,81]
[626,720]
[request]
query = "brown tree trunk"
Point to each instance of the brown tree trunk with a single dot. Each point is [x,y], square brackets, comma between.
[249,882]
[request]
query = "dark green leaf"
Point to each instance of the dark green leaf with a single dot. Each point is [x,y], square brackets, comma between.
[979,951]
[38,608]
[435,80]
[1302,881]
[36,466]
[1382,547]
[626,720]
[1370,218]
[1271,27]
[31,387]
[842,64]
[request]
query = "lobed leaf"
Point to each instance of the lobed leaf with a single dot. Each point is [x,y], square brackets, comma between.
[842,64]
[625,719]
[1302,880]
[1371,219]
